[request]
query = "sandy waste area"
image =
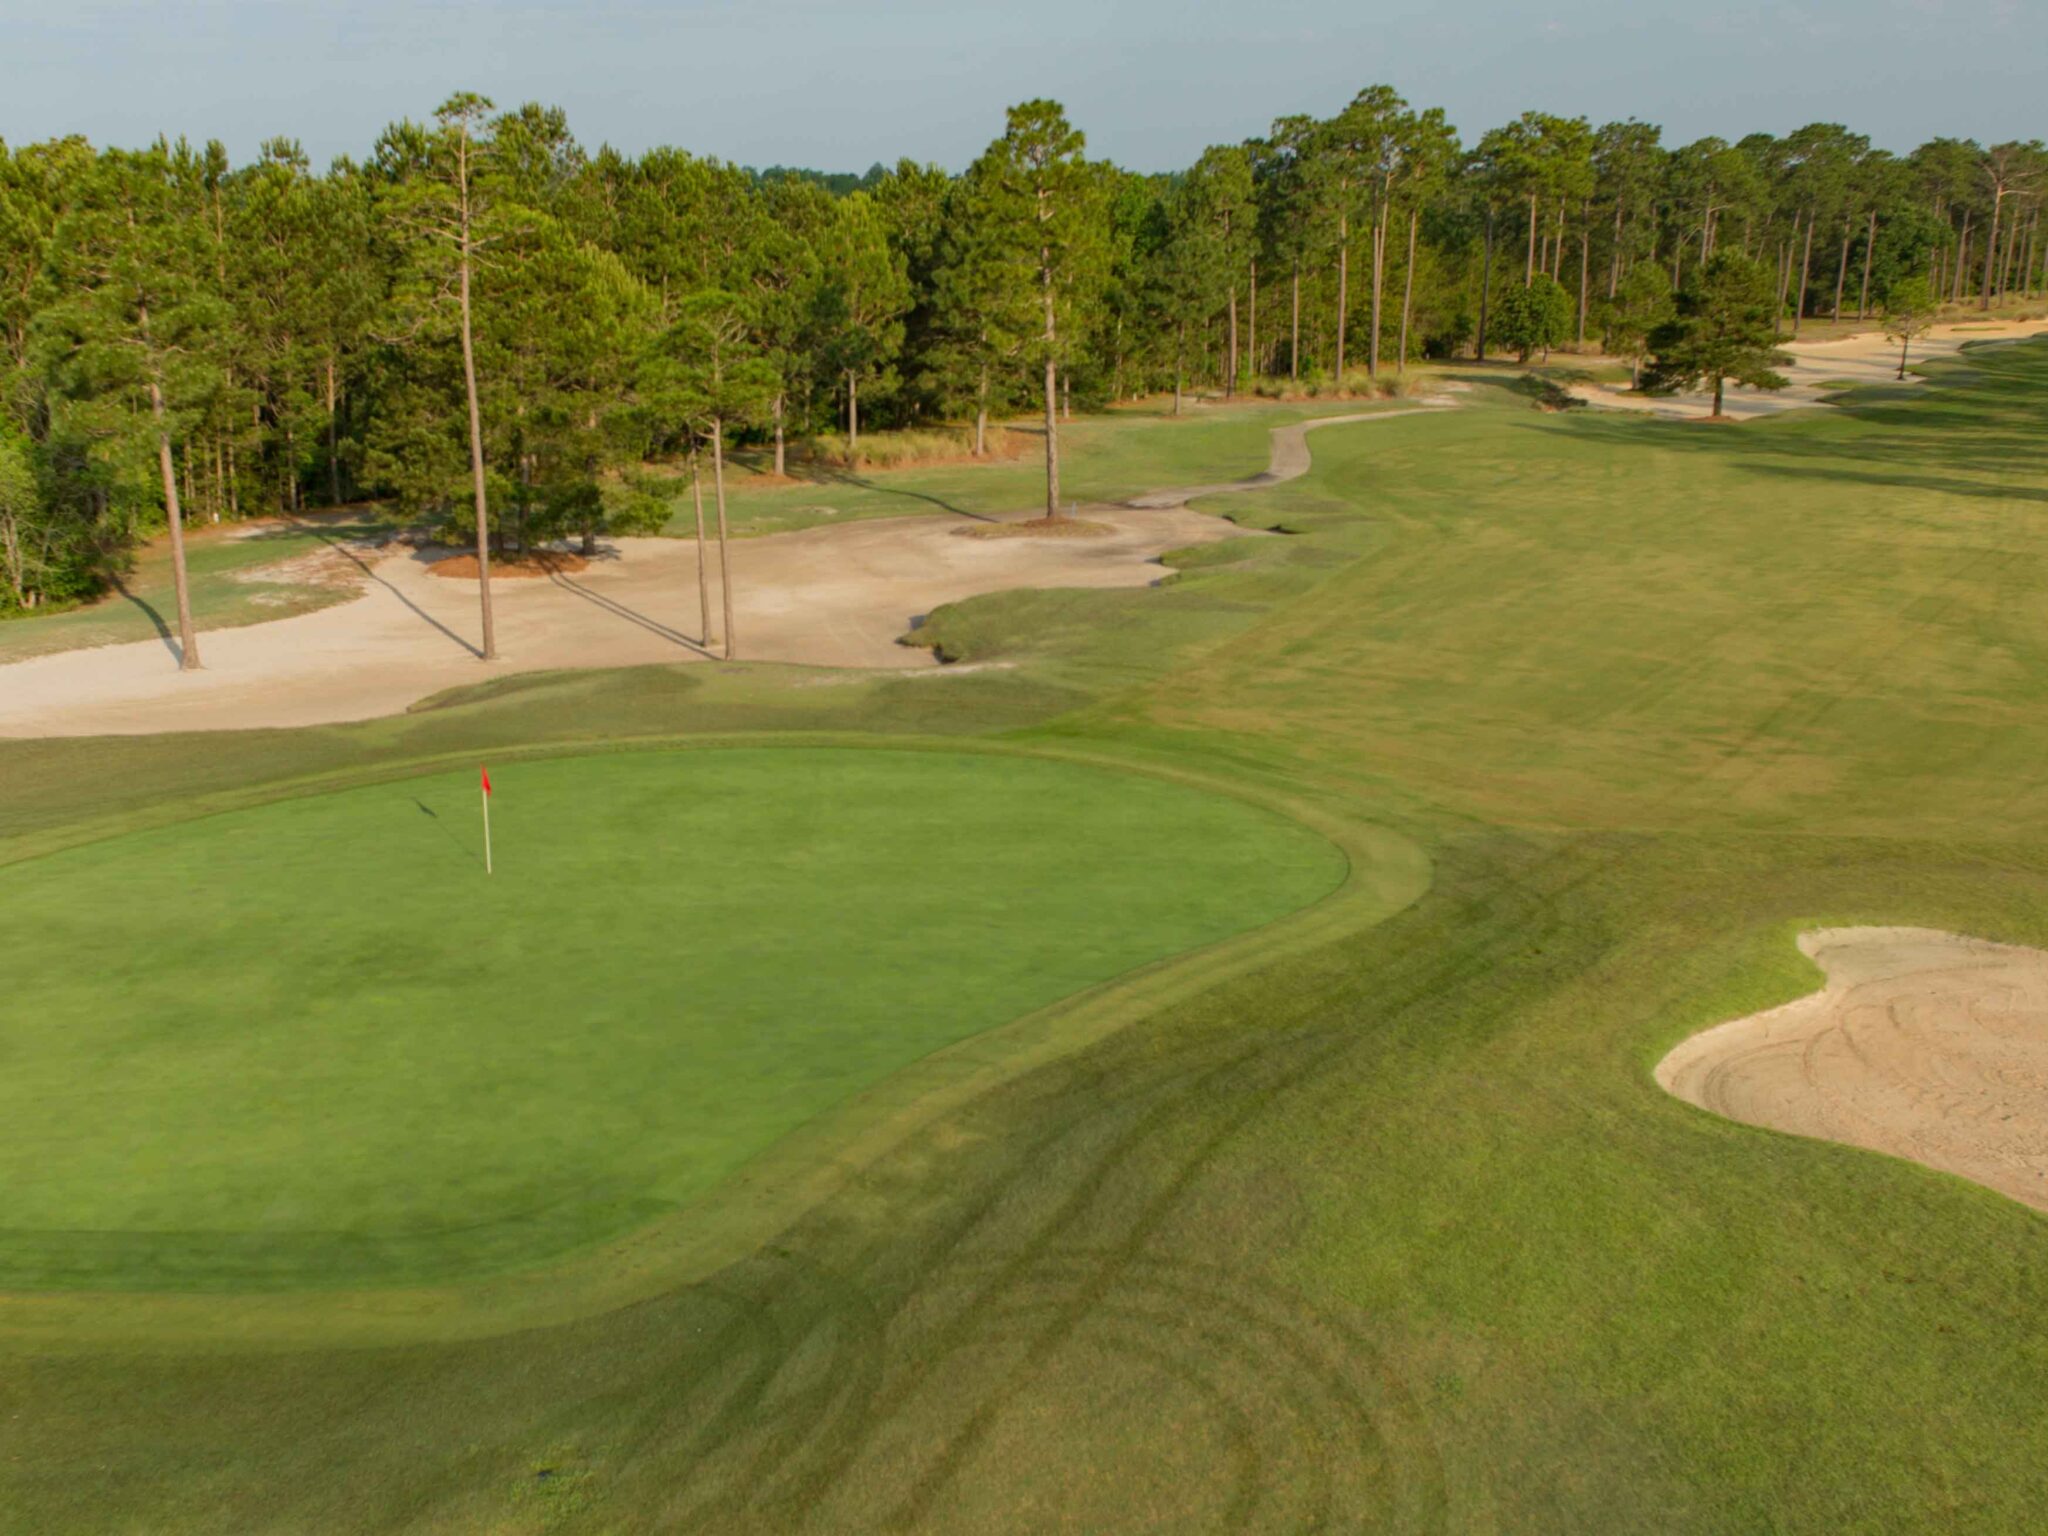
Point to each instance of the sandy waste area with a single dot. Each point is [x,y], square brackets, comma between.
[839,596]
[1820,369]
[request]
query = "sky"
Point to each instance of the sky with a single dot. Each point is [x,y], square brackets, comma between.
[840,86]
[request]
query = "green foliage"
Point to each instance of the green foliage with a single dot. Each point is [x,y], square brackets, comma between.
[1910,307]
[862,294]
[1641,304]
[1046,226]
[32,542]
[1724,328]
[313,353]
[1532,318]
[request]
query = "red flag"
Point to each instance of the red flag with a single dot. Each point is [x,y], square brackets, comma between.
[487,777]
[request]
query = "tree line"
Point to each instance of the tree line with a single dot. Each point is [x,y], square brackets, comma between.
[496,329]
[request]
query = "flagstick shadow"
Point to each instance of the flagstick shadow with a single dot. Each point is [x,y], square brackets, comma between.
[469,854]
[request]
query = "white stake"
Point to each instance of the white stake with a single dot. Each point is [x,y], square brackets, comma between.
[487,831]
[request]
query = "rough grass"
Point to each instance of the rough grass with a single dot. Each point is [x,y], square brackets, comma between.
[1106,457]
[1393,1231]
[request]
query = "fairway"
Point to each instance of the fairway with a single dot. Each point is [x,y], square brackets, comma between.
[312,1043]
[1382,1200]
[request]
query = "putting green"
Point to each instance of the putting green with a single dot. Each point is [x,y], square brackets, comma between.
[312,1044]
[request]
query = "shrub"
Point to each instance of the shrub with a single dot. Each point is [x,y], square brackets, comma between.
[1532,319]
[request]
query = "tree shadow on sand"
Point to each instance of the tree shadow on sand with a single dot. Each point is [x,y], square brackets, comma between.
[163,630]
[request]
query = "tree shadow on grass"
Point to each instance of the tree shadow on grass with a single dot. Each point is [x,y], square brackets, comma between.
[850,477]
[1972,431]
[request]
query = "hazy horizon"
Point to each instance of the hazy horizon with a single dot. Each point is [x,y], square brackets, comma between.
[812,84]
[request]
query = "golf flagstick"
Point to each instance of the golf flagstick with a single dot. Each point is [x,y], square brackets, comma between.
[487,817]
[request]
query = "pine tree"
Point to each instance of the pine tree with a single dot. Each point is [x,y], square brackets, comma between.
[1050,228]
[440,203]
[1725,328]
[132,331]
[725,383]
[861,297]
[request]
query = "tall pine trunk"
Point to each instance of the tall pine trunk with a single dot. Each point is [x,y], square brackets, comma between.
[1485,286]
[476,432]
[703,556]
[1529,270]
[853,418]
[1294,339]
[781,450]
[1842,272]
[1991,249]
[1784,276]
[1585,266]
[1379,273]
[1408,288]
[1343,288]
[1805,273]
[1230,367]
[1614,266]
[188,642]
[1052,440]
[333,438]
[1251,326]
[2012,251]
[1869,249]
[724,537]
[1052,425]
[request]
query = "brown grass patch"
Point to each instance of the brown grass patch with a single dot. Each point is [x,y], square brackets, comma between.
[523,567]
[1036,528]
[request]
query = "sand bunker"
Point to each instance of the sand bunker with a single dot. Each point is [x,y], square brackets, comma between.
[1820,369]
[1923,1044]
